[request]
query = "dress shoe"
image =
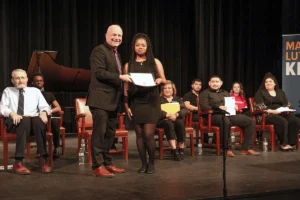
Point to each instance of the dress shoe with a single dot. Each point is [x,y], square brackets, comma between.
[114,169]
[150,169]
[142,169]
[20,169]
[250,152]
[45,168]
[102,171]
[176,155]
[229,153]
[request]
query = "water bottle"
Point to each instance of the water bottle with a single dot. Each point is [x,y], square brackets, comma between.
[232,138]
[265,145]
[81,153]
[200,150]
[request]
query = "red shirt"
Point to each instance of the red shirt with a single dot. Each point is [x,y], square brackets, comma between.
[240,101]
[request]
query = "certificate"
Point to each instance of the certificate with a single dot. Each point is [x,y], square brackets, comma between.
[143,79]
[285,109]
[230,104]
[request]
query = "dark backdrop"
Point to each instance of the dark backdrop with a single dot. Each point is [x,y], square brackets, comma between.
[239,40]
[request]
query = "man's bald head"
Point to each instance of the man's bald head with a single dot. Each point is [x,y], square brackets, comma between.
[114,36]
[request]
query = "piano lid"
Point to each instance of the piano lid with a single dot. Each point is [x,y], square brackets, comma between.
[57,77]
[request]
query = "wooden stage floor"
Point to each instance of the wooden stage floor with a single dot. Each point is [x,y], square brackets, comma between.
[272,175]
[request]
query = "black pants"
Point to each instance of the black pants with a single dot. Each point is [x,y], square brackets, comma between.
[55,128]
[104,129]
[26,126]
[173,129]
[195,117]
[286,127]
[244,122]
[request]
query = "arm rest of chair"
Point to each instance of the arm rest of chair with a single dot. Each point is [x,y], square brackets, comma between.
[121,117]
[48,124]
[206,112]
[257,112]
[2,127]
[80,115]
[202,113]
[61,116]
[188,119]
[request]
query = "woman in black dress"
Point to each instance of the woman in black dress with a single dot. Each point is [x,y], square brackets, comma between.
[286,125]
[144,102]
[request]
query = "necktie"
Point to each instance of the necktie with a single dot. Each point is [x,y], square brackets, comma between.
[21,102]
[118,61]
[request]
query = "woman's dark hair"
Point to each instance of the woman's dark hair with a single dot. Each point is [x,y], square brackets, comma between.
[149,52]
[271,76]
[242,93]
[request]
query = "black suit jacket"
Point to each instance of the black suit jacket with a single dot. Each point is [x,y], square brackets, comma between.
[106,87]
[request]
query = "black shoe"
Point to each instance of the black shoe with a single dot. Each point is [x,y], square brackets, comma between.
[176,155]
[142,169]
[181,153]
[56,154]
[150,169]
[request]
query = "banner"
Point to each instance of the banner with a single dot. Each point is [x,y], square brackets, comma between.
[291,69]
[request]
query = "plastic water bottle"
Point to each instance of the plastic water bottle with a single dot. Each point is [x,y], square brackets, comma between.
[81,153]
[265,145]
[200,150]
[232,138]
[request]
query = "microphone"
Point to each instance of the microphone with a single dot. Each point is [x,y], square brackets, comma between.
[219,110]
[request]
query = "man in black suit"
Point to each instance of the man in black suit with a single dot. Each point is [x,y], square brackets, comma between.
[103,98]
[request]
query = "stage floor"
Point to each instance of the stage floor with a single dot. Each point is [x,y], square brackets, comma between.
[270,176]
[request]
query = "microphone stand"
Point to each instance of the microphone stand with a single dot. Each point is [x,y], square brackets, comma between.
[223,112]
[224,158]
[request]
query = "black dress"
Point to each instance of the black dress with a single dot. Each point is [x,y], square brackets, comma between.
[145,102]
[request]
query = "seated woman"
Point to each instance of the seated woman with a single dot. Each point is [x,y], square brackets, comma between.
[237,91]
[286,125]
[173,124]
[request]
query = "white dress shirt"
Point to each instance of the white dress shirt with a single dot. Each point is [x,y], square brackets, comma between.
[34,102]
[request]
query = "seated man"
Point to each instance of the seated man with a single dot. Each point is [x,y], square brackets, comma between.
[38,82]
[191,98]
[213,99]
[26,111]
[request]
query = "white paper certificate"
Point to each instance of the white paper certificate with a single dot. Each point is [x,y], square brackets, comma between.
[143,79]
[230,104]
[285,109]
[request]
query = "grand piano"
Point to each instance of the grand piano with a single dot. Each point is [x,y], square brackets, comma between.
[64,82]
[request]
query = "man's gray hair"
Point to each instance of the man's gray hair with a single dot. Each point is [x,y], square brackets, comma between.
[17,70]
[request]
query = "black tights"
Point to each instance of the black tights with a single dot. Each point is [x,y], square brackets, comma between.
[145,141]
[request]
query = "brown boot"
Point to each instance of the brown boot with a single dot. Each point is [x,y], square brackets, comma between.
[114,169]
[45,168]
[20,169]
[250,152]
[102,171]
[229,153]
